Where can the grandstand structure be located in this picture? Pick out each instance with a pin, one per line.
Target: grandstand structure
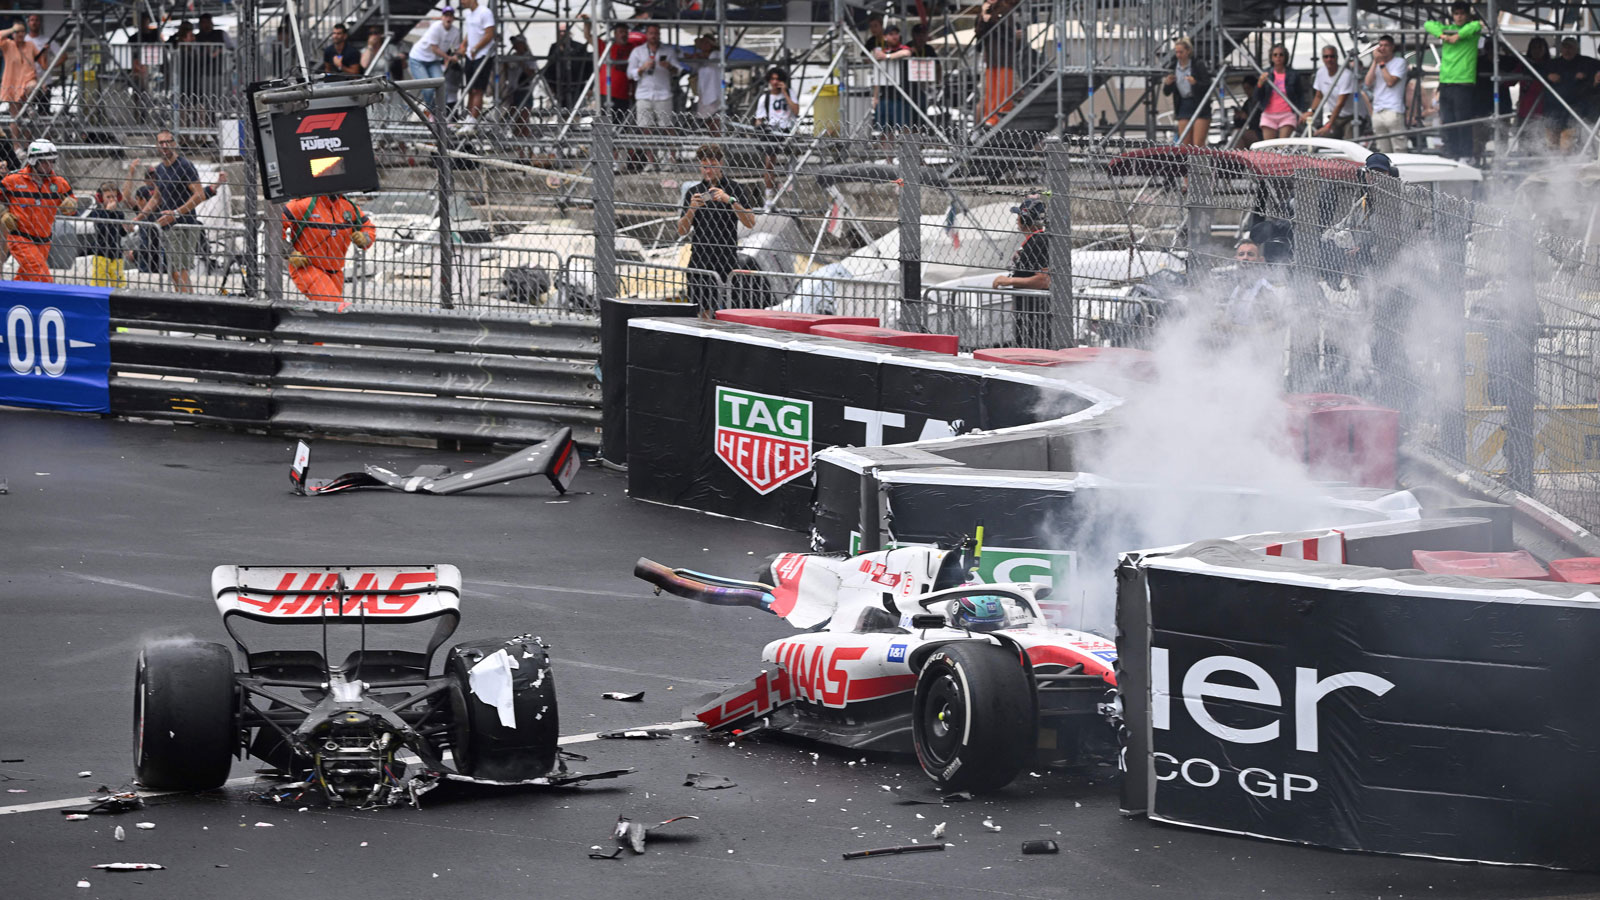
(1090, 67)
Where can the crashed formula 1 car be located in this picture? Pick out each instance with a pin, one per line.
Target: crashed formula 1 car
(902, 651)
(555, 458)
(342, 727)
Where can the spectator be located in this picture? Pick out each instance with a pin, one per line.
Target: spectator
(341, 57)
(1531, 101)
(654, 67)
(319, 231)
(372, 49)
(177, 193)
(875, 32)
(1331, 98)
(146, 49)
(568, 68)
(216, 75)
(707, 62)
(1245, 123)
(1030, 271)
(32, 197)
(890, 111)
(434, 51)
(519, 71)
(1458, 75)
(42, 50)
(478, 46)
(776, 113)
(999, 50)
(1278, 91)
(712, 212)
(1386, 80)
(616, 91)
(918, 90)
(37, 42)
(19, 76)
(105, 243)
(1189, 85)
(1254, 303)
(1572, 78)
(146, 252)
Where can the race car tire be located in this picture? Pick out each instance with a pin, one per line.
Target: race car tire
(481, 746)
(185, 716)
(973, 720)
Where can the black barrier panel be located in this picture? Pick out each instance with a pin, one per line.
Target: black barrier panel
(721, 417)
(1458, 727)
(835, 377)
(1011, 517)
(242, 404)
(224, 357)
(836, 509)
(231, 313)
(614, 318)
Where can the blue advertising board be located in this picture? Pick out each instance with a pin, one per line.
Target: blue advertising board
(55, 346)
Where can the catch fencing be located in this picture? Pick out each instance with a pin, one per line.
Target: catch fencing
(1474, 317)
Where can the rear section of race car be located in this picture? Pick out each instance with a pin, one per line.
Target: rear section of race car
(342, 725)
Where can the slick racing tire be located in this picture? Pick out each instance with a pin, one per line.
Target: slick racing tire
(973, 720)
(185, 716)
(481, 745)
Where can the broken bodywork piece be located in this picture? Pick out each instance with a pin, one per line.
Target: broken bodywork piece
(631, 834)
(555, 458)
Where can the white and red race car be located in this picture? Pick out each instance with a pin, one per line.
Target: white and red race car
(900, 650)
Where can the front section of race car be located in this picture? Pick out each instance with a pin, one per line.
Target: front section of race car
(902, 655)
(343, 726)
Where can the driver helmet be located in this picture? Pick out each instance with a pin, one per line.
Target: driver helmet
(42, 149)
(982, 612)
(1380, 162)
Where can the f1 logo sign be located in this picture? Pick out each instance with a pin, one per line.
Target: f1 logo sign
(320, 122)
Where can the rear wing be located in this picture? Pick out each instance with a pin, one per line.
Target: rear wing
(347, 593)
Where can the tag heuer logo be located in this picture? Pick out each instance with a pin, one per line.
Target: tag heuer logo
(765, 439)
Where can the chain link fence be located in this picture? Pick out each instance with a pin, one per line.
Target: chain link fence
(1475, 319)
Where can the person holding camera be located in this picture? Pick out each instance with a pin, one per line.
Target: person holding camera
(653, 68)
(776, 113)
(712, 212)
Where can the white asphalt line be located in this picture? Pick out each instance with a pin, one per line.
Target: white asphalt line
(128, 585)
(68, 803)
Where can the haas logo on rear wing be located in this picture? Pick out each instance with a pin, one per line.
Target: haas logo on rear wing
(408, 592)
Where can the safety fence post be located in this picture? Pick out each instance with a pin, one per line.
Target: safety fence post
(1058, 224)
(605, 207)
(248, 66)
(441, 137)
(910, 159)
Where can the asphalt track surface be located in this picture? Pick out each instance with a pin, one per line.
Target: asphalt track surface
(108, 536)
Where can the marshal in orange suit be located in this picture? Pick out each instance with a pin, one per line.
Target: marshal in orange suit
(32, 196)
(319, 231)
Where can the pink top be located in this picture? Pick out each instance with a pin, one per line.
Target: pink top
(1276, 103)
(19, 76)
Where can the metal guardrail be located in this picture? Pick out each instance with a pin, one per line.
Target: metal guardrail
(1004, 317)
(816, 294)
(458, 375)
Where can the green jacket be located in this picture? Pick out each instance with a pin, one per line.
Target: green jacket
(1458, 62)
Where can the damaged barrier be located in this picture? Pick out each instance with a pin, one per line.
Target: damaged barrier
(725, 418)
(1362, 708)
(453, 375)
